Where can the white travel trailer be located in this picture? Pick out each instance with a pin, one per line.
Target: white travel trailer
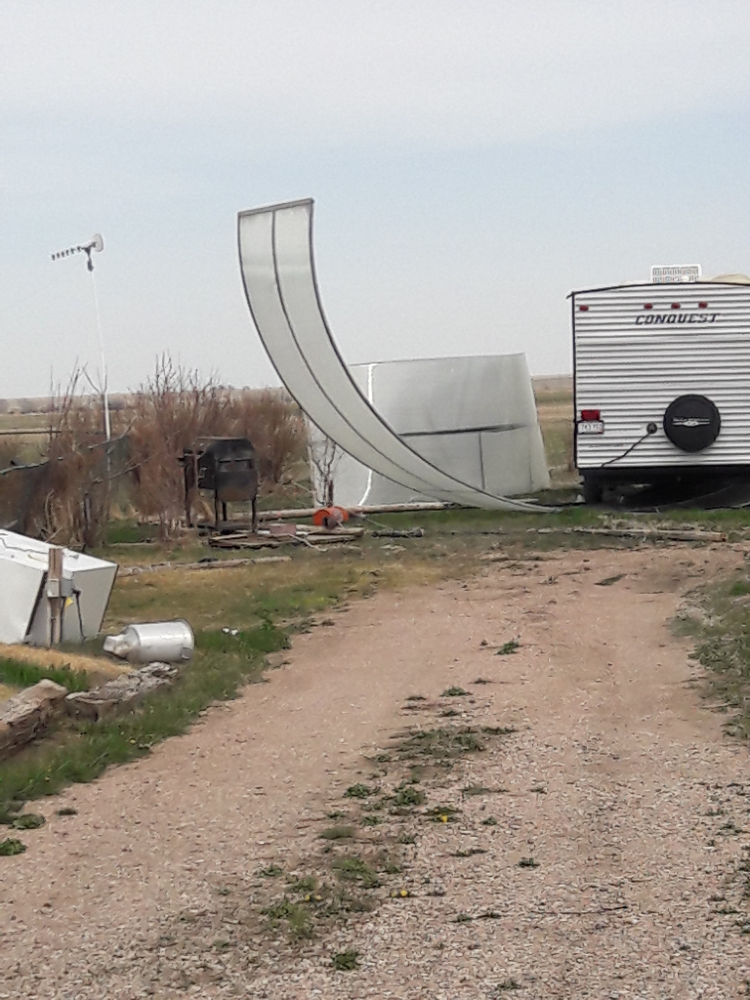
(661, 383)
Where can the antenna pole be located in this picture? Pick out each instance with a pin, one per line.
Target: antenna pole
(105, 395)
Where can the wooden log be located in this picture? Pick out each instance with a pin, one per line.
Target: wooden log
(208, 564)
(390, 508)
(663, 534)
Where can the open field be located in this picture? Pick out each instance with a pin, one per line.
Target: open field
(498, 772)
(28, 432)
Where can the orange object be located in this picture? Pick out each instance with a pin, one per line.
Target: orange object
(330, 517)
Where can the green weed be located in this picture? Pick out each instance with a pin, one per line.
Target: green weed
(16, 673)
(345, 961)
(9, 847)
(28, 821)
(408, 795)
(272, 871)
(355, 869)
(296, 916)
(360, 791)
(512, 646)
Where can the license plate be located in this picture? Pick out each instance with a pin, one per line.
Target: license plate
(591, 427)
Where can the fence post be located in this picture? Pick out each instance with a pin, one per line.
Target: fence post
(54, 595)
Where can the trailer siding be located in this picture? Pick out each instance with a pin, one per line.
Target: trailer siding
(631, 362)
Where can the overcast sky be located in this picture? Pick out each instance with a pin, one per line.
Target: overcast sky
(472, 162)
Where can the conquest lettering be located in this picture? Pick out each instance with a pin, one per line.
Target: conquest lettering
(671, 318)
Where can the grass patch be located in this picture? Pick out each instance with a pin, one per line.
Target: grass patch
(28, 821)
(528, 863)
(307, 884)
(16, 673)
(441, 745)
(719, 625)
(408, 795)
(338, 833)
(442, 814)
(360, 791)
(345, 961)
(10, 846)
(355, 869)
(272, 871)
(296, 917)
(512, 646)
(454, 692)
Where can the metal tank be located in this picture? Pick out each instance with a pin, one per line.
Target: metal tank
(166, 642)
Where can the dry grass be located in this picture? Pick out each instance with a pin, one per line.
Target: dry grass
(95, 667)
(555, 411)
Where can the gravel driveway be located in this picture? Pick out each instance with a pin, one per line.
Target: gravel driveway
(592, 847)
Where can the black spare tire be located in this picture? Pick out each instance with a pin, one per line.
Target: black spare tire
(692, 423)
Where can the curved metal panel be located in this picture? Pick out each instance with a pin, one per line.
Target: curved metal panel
(278, 271)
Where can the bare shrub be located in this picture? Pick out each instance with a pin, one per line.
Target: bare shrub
(16, 482)
(76, 490)
(169, 413)
(177, 407)
(68, 498)
(324, 457)
(59, 490)
(276, 428)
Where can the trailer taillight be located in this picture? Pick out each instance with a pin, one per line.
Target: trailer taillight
(647, 305)
(703, 305)
(583, 309)
(591, 414)
(675, 305)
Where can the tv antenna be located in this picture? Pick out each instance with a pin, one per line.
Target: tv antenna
(95, 244)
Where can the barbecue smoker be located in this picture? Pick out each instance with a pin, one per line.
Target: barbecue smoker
(225, 467)
(662, 384)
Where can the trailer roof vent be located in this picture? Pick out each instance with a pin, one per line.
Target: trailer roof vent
(703, 305)
(675, 305)
(647, 305)
(583, 309)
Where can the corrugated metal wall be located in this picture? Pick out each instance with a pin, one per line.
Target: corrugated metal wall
(632, 361)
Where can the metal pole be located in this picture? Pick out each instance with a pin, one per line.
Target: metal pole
(105, 396)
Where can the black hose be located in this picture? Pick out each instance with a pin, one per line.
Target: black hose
(650, 429)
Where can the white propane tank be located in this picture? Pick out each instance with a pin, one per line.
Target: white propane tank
(167, 642)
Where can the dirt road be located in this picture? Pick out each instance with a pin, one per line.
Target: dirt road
(594, 850)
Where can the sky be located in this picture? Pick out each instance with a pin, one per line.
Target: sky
(471, 163)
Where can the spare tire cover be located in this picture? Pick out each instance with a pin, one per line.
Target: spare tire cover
(692, 423)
